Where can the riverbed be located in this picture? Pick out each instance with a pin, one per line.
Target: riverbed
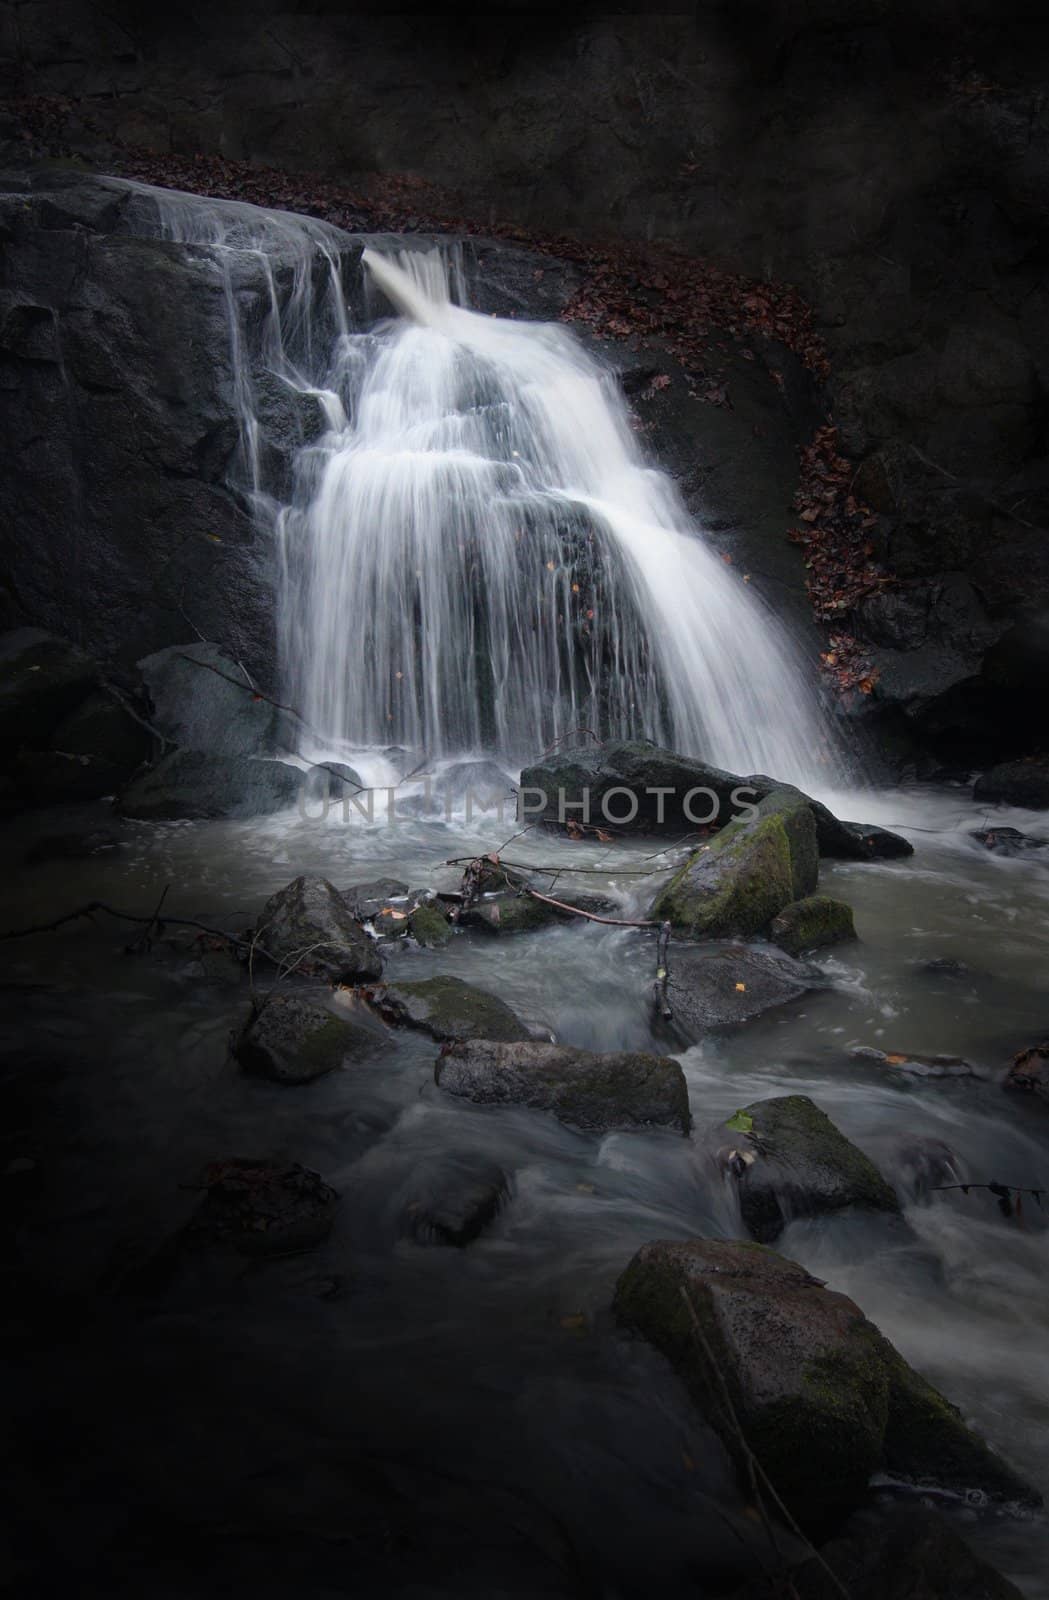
(495, 1373)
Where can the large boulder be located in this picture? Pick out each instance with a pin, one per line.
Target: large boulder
(308, 926)
(897, 1552)
(734, 885)
(42, 680)
(812, 923)
(821, 1397)
(292, 1039)
(448, 1008)
(596, 1093)
(204, 700)
(723, 986)
(1016, 783)
(664, 792)
(190, 784)
(789, 1160)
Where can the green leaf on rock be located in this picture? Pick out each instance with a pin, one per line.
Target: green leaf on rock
(742, 1122)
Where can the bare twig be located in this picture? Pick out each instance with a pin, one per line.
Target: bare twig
(591, 916)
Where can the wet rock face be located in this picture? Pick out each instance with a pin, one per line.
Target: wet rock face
(796, 1163)
(448, 1009)
(42, 680)
(294, 1040)
(310, 925)
(721, 987)
(188, 783)
(822, 1398)
(593, 1092)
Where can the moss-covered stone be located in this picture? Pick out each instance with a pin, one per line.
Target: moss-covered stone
(509, 913)
(812, 923)
(448, 1009)
(596, 1092)
(821, 1397)
(802, 1166)
(795, 812)
(733, 886)
(294, 1040)
(429, 926)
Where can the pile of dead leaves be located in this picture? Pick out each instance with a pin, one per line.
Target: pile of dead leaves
(834, 530)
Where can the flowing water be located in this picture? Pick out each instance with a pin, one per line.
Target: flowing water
(464, 461)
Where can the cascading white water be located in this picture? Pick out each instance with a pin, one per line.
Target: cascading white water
(475, 556)
(483, 561)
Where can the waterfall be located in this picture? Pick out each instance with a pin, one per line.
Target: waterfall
(483, 561)
(475, 555)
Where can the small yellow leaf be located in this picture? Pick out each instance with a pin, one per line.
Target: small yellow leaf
(741, 988)
(574, 1322)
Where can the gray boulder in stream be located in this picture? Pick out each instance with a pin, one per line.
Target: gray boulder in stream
(187, 784)
(789, 1160)
(308, 925)
(204, 700)
(819, 1394)
(448, 1008)
(722, 986)
(597, 1093)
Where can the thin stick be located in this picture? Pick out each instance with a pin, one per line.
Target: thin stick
(591, 916)
(526, 866)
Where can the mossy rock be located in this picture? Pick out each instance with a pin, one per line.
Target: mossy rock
(795, 812)
(821, 1397)
(733, 886)
(594, 1092)
(429, 926)
(509, 913)
(811, 924)
(448, 1009)
(798, 1164)
(294, 1040)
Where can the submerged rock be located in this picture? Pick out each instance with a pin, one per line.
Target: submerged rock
(1006, 841)
(190, 784)
(932, 1066)
(796, 1163)
(822, 1398)
(263, 1208)
(863, 841)
(367, 900)
(736, 884)
(454, 1202)
(448, 1008)
(1016, 783)
(901, 1552)
(596, 1093)
(308, 925)
(1029, 1072)
(294, 1040)
(723, 986)
(811, 924)
(523, 913)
